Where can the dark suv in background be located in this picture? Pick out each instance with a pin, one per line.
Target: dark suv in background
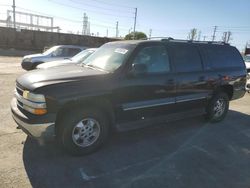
(126, 85)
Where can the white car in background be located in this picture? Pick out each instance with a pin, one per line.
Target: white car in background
(247, 62)
(77, 59)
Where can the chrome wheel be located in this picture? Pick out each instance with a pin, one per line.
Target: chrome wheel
(86, 132)
(219, 107)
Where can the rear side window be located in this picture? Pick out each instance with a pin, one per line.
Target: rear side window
(186, 58)
(221, 57)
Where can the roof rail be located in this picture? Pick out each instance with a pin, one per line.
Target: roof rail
(154, 38)
(167, 39)
(194, 41)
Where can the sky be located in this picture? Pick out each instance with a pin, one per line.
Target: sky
(166, 18)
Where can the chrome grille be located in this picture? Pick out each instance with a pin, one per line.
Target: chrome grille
(18, 95)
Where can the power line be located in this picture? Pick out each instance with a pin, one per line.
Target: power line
(99, 7)
(97, 12)
(5, 5)
(112, 4)
(70, 20)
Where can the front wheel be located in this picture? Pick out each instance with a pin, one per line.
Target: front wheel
(218, 107)
(83, 131)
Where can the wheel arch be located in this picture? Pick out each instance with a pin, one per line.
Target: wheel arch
(101, 103)
(228, 89)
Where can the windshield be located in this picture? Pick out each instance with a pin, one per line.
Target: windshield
(80, 57)
(247, 58)
(49, 51)
(110, 56)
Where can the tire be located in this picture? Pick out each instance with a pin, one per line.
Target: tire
(217, 107)
(83, 131)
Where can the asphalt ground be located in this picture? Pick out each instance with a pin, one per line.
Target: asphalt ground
(188, 153)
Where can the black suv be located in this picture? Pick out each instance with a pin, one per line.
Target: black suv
(126, 85)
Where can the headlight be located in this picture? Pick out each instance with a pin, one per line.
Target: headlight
(27, 60)
(33, 97)
(34, 103)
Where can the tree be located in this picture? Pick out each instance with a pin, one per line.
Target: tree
(138, 35)
(193, 34)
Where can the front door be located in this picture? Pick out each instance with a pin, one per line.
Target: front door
(149, 93)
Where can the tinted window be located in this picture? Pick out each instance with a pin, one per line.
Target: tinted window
(155, 58)
(222, 56)
(186, 58)
(73, 51)
(60, 52)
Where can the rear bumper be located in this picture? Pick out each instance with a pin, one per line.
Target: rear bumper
(42, 127)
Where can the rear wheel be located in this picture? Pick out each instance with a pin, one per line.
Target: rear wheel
(218, 107)
(83, 131)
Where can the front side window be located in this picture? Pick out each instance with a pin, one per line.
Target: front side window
(51, 50)
(155, 58)
(73, 51)
(60, 52)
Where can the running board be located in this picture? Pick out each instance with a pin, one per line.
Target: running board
(158, 120)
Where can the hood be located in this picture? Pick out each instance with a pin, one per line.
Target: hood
(33, 56)
(54, 64)
(39, 78)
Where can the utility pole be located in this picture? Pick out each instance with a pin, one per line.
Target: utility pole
(117, 31)
(199, 36)
(229, 34)
(135, 22)
(204, 38)
(214, 34)
(14, 13)
(224, 37)
(150, 33)
(85, 24)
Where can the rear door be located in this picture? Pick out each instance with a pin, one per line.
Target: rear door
(151, 94)
(191, 85)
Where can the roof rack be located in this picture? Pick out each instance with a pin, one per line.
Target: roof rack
(154, 38)
(167, 39)
(195, 41)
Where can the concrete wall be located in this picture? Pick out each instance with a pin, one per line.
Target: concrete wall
(37, 40)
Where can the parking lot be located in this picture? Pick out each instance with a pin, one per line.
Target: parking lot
(187, 153)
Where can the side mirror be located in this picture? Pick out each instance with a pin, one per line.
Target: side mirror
(138, 69)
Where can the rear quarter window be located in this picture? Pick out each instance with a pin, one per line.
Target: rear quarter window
(217, 57)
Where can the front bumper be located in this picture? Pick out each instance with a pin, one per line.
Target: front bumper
(27, 65)
(42, 127)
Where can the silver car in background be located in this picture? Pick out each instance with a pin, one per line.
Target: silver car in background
(247, 62)
(77, 59)
(30, 62)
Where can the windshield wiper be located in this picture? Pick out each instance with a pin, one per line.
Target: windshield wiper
(94, 67)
